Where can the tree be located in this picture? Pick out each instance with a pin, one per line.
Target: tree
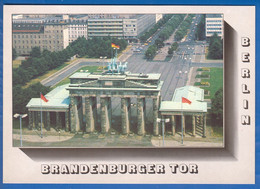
(178, 35)
(151, 51)
(14, 54)
(22, 96)
(159, 43)
(173, 48)
(217, 107)
(36, 52)
(200, 31)
(170, 51)
(215, 50)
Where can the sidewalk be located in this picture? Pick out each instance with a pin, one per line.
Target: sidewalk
(48, 136)
(192, 76)
(178, 144)
(45, 138)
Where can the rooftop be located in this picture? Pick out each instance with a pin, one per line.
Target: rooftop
(57, 98)
(193, 94)
(87, 75)
(30, 28)
(214, 15)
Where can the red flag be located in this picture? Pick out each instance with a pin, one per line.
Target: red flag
(43, 98)
(185, 100)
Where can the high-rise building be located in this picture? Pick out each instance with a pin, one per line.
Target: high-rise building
(123, 26)
(214, 24)
(105, 27)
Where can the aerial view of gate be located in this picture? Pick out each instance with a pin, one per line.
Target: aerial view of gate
(118, 80)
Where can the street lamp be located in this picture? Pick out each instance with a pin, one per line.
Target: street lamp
(21, 116)
(163, 121)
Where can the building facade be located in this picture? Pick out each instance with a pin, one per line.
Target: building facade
(125, 26)
(76, 29)
(85, 105)
(180, 113)
(54, 33)
(105, 28)
(26, 36)
(50, 36)
(214, 24)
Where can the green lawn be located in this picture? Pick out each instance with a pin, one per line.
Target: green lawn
(217, 131)
(216, 81)
(16, 63)
(89, 68)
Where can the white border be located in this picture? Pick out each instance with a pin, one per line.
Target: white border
(235, 166)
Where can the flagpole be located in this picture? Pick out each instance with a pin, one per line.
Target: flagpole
(181, 123)
(41, 112)
(111, 52)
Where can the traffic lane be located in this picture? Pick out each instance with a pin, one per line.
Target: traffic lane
(170, 82)
(68, 72)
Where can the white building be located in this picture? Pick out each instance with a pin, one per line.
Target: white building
(214, 24)
(123, 26)
(76, 29)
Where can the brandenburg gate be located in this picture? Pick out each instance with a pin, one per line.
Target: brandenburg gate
(85, 88)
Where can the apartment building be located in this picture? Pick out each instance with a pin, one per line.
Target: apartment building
(214, 24)
(122, 26)
(77, 29)
(105, 27)
(50, 36)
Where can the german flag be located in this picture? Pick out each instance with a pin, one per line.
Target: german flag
(113, 45)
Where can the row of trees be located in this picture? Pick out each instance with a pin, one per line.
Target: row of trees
(173, 48)
(168, 30)
(41, 62)
(171, 27)
(158, 25)
(215, 50)
(183, 29)
(200, 30)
